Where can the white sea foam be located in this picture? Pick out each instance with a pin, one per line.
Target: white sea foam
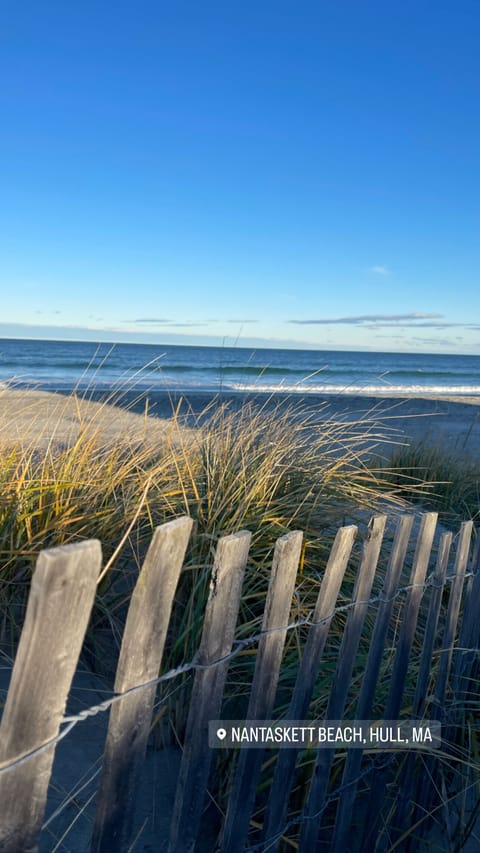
(357, 390)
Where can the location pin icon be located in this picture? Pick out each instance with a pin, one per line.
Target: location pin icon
(221, 734)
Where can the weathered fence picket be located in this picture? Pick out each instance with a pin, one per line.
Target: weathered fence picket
(139, 662)
(446, 654)
(367, 690)
(346, 656)
(421, 690)
(461, 559)
(438, 583)
(470, 628)
(216, 643)
(264, 686)
(400, 664)
(59, 605)
(307, 675)
(60, 601)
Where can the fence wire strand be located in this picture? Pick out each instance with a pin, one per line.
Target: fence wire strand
(69, 722)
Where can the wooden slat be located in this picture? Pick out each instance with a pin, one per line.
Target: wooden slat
(367, 691)
(400, 665)
(307, 675)
(448, 641)
(411, 608)
(461, 559)
(59, 605)
(468, 642)
(423, 681)
(421, 689)
(205, 704)
(437, 711)
(139, 662)
(347, 653)
(264, 686)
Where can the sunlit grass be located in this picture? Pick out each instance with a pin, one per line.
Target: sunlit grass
(450, 482)
(269, 469)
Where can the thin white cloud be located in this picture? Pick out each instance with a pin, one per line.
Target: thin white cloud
(427, 325)
(361, 319)
(380, 269)
(161, 320)
(188, 324)
(443, 342)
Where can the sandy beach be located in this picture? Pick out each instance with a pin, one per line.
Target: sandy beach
(40, 417)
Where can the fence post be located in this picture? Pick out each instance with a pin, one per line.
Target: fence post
(205, 703)
(139, 662)
(59, 605)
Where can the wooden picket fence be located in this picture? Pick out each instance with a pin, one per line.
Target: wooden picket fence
(60, 601)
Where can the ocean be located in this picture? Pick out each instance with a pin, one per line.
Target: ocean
(65, 365)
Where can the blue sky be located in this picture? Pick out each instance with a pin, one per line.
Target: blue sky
(281, 173)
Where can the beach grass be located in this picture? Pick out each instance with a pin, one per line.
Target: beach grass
(269, 469)
(450, 483)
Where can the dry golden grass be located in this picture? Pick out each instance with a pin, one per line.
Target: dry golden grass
(269, 470)
(96, 470)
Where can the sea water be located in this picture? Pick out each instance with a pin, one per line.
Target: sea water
(63, 365)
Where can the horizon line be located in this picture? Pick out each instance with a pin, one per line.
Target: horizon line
(266, 344)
